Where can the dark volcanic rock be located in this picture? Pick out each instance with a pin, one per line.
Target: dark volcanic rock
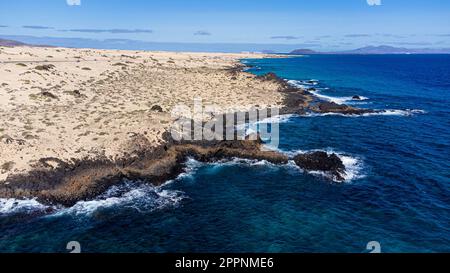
(45, 67)
(236, 69)
(296, 102)
(157, 108)
(71, 182)
(49, 95)
(321, 161)
(272, 77)
(77, 94)
(331, 107)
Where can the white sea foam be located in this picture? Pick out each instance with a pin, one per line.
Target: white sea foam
(16, 206)
(388, 112)
(393, 112)
(353, 165)
(277, 119)
(337, 100)
(270, 120)
(241, 161)
(191, 166)
(252, 128)
(139, 196)
(298, 84)
(303, 84)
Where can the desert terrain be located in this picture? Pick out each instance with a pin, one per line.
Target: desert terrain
(75, 104)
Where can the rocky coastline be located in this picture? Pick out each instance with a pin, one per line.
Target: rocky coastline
(57, 182)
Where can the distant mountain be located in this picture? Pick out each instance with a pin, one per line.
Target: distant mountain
(375, 50)
(378, 50)
(10, 43)
(396, 50)
(4, 42)
(304, 52)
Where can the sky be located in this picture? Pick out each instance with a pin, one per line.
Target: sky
(315, 24)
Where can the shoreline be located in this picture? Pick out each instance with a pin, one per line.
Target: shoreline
(54, 180)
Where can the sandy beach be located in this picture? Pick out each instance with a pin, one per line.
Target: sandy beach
(74, 104)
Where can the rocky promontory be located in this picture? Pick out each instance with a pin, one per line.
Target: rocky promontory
(64, 183)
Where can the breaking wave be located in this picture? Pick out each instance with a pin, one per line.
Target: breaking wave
(139, 196)
(17, 206)
(388, 112)
(134, 195)
(252, 128)
(353, 165)
(316, 92)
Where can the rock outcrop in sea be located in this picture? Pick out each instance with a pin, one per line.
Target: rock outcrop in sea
(331, 107)
(323, 162)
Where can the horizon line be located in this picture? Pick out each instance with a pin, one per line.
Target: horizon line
(134, 44)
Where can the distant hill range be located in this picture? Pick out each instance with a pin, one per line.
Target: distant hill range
(4, 42)
(377, 50)
(10, 43)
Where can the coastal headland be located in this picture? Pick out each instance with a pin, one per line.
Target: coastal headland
(74, 122)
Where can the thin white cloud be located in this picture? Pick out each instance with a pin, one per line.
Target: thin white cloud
(115, 31)
(37, 27)
(73, 2)
(374, 2)
(284, 37)
(202, 33)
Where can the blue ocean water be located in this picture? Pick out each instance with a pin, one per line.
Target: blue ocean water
(397, 191)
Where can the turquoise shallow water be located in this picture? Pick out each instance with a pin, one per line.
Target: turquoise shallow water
(397, 192)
